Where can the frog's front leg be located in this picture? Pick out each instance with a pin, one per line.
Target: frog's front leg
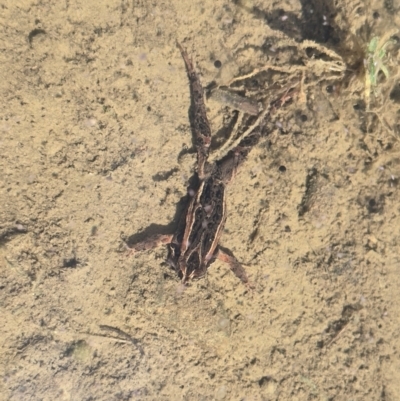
(225, 256)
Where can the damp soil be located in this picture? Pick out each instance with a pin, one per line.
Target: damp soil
(96, 150)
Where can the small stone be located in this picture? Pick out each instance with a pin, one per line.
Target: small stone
(221, 393)
(90, 122)
(223, 323)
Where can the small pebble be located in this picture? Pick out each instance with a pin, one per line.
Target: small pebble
(217, 64)
(31, 178)
(223, 323)
(221, 393)
(90, 122)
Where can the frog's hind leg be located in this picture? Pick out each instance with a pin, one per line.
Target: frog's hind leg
(197, 114)
(151, 242)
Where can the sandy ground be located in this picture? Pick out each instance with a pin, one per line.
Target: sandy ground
(93, 119)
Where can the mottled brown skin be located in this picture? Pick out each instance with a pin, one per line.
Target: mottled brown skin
(194, 246)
